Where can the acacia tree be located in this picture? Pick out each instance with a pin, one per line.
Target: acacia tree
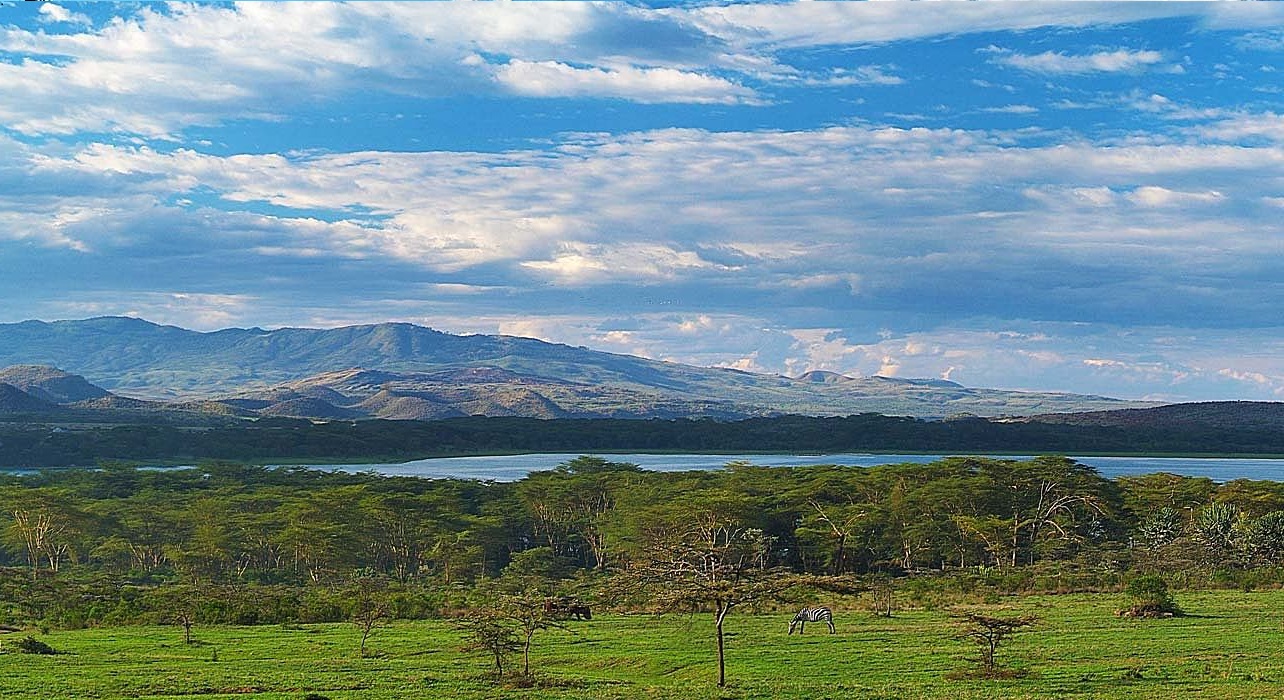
(569, 505)
(529, 614)
(840, 520)
(46, 525)
(1050, 499)
(485, 631)
(370, 607)
(988, 633)
(712, 560)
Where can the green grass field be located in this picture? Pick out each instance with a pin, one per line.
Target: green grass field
(1230, 646)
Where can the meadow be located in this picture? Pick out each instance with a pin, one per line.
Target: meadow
(1227, 646)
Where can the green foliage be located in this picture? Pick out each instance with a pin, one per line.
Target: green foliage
(1150, 597)
(231, 544)
(1160, 528)
(1263, 539)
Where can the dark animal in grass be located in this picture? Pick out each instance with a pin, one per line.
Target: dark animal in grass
(565, 609)
(811, 615)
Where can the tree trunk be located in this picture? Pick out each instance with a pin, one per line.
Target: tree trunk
(721, 613)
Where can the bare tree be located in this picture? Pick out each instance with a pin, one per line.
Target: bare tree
(369, 607)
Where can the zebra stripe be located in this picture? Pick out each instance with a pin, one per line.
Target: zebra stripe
(812, 615)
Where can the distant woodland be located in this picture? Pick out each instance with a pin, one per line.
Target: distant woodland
(229, 543)
(43, 445)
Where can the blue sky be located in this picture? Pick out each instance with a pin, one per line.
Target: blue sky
(1073, 196)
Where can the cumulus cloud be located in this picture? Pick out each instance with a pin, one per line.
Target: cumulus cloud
(808, 219)
(51, 12)
(161, 69)
(579, 263)
(155, 71)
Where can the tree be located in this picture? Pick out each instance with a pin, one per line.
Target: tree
(530, 615)
(485, 631)
(46, 525)
(568, 505)
(840, 521)
(369, 605)
(1263, 539)
(181, 603)
(988, 633)
(1216, 528)
(1161, 527)
(712, 560)
(1046, 500)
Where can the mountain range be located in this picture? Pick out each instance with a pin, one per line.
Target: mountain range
(404, 371)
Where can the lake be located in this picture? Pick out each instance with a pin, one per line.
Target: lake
(514, 467)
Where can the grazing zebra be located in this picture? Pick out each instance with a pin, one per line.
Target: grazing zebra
(812, 615)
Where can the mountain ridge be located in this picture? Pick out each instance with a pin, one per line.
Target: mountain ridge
(436, 373)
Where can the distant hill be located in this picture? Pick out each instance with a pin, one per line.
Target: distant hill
(15, 400)
(1217, 415)
(50, 384)
(398, 370)
(452, 393)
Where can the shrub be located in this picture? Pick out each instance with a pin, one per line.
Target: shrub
(31, 645)
(1150, 598)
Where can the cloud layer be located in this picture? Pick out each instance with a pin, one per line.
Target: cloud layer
(1061, 197)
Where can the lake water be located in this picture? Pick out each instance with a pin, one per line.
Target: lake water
(514, 467)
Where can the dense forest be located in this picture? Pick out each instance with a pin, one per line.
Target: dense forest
(278, 439)
(254, 544)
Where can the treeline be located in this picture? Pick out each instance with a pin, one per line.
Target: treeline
(269, 439)
(126, 534)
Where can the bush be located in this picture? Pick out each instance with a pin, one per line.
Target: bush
(1150, 598)
(31, 645)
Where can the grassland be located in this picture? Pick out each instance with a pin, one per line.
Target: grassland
(1231, 645)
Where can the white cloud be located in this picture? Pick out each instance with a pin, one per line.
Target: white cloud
(578, 263)
(197, 311)
(834, 210)
(1012, 109)
(161, 69)
(1163, 197)
(646, 85)
(155, 70)
(820, 24)
(1268, 126)
(1119, 61)
(51, 12)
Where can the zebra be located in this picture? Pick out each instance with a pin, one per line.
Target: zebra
(812, 615)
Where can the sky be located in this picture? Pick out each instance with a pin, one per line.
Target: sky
(1054, 196)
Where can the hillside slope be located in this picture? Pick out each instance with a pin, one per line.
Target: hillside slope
(141, 359)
